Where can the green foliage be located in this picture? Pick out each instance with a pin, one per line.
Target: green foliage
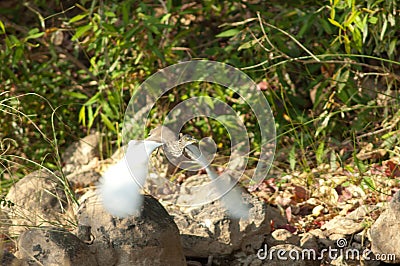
(326, 70)
(364, 26)
(309, 63)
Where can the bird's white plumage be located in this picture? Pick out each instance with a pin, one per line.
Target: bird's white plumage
(119, 187)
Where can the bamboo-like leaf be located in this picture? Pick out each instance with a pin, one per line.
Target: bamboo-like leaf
(369, 182)
(3, 29)
(82, 116)
(228, 33)
(334, 22)
(107, 122)
(93, 99)
(320, 153)
(80, 31)
(78, 17)
(76, 95)
(384, 27)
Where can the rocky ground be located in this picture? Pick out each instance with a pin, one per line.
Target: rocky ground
(44, 226)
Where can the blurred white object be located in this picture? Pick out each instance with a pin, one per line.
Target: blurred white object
(231, 194)
(120, 185)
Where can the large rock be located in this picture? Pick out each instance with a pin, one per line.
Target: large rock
(351, 224)
(149, 239)
(384, 232)
(39, 199)
(208, 230)
(53, 247)
(82, 155)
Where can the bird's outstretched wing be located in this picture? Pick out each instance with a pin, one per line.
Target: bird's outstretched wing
(119, 187)
(226, 187)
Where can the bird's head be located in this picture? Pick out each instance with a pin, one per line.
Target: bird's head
(176, 148)
(186, 140)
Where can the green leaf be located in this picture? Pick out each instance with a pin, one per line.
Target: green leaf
(347, 46)
(247, 45)
(13, 41)
(82, 116)
(360, 22)
(159, 54)
(80, 31)
(3, 29)
(228, 33)
(373, 20)
(308, 22)
(19, 52)
(360, 165)
(388, 135)
(78, 17)
(110, 14)
(33, 31)
(357, 39)
(125, 12)
(138, 58)
(77, 95)
(392, 46)
(107, 122)
(369, 182)
(33, 34)
(334, 22)
(364, 29)
(333, 13)
(169, 4)
(91, 117)
(351, 19)
(107, 110)
(93, 99)
(349, 168)
(342, 79)
(320, 153)
(165, 18)
(346, 184)
(326, 26)
(384, 27)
